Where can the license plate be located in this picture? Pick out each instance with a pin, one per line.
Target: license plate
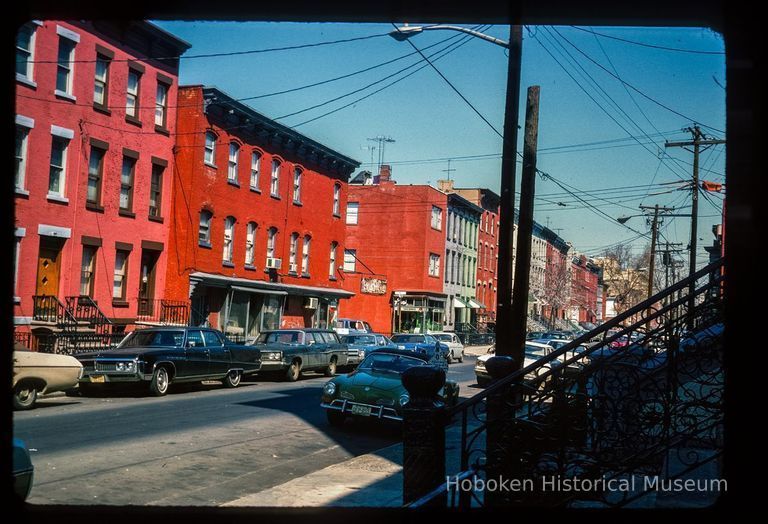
(98, 378)
(361, 410)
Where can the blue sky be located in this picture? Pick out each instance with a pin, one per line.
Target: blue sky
(588, 117)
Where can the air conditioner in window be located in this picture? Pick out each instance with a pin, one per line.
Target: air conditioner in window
(293, 268)
(274, 263)
(311, 303)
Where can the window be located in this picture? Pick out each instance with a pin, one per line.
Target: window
(19, 235)
(305, 255)
(274, 186)
(161, 105)
(255, 168)
(434, 265)
(293, 268)
(332, 261)
(437, 218)
(126, 183)
(337, 200)
(297, 184)
(101, 81)
(132, 94)
(156, 190)
(234, 151)
(229, 235)
(121, 274)
(250, 242)
(271, 242)
(95, 175)
(25, 49)
(350, 260)
(353, 209)
(57, 175)
(210, 148)
(448, 265)
(22, 138)
(88, 270)
(204, 231)
(64, 67)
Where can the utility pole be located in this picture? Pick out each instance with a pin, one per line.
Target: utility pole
(699, 140)
(652, 262)
(449, 169)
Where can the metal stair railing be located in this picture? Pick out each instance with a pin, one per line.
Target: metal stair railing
(85, 309)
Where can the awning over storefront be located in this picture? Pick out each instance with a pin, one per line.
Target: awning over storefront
(474, 304)
(260, 286)
(457, 302)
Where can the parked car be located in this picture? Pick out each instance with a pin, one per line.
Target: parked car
(533, 352)
(36, 373)
(293, 351)
(375, 388)
(160, 356)
(346, 326)
(360, 344)
(23, 470)
(455, 347)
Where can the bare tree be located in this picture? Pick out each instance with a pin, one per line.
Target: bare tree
(556, 292)
(626, 275)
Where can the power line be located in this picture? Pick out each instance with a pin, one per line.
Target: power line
(676, 49)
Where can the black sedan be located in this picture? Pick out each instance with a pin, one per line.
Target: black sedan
(159, 356)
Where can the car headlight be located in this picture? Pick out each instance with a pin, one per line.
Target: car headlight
(124, 366)
(272, 355)
(404, 398)
(362, 354)
(329, 388)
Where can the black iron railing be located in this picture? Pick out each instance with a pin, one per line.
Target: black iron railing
(84, 309)
(48, 308)
(597, 410)
(162, 311)
(68, 342)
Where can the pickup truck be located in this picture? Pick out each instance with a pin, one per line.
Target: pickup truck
(289, 352)
(160, 356)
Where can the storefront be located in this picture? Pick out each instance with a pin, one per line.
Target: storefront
(417, 313)
(242, 308)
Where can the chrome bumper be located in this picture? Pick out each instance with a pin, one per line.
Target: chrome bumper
(378, 411)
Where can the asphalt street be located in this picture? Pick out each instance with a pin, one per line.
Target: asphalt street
(202, 444)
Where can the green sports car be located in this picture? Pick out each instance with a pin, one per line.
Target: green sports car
(375, 389)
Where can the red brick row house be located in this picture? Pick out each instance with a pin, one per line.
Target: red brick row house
(95, 123)
(257, 223)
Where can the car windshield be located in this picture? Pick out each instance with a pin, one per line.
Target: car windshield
(359, 339)
(444, 338)
(408, 339)
(390, 363)
(151, 337)
(535, 351)
(281, 337)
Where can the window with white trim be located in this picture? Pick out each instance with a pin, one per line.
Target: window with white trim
(88, 271)
(101, 81)
(353, 209)
(250, 243)
(210, 148)
(255, 169)
(229, 236)
(332, 261)
(132, 94)
(337, 199)
(121, 274)
(161, 105)
(274, 185)
(95, 175)
(156, 190)
(234, 151)
(297, 184)
(126, 183)
(204, 229)
(65, 66)
(434, 265)
(305, 255)
(58, 172)
(25, 51)
(437, 218)
(271, 242)
(293, 266)
(22, 139)
(350, 260)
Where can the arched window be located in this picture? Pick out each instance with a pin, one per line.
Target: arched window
(271, 242)
(274, 185)
(250, 242)
(204, 232)
(297, 184)
(234, 152)
(332, 261)
(255, 169)
(293, 265)
(229, 235)
(210, 148)
(337, 200)
(305, 255)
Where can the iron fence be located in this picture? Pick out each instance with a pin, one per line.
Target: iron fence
(165, 312)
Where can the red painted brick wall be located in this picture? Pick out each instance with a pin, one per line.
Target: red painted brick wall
(197, 186)
(40, 104)
(393, 238)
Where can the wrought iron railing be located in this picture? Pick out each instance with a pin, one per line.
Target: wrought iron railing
(594, 410)
(165, 312)
(48, 308)
(84, 309)
(68, 342)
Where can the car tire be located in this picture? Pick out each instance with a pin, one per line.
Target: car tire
(293, 372)
(330, 370)
(461, 356)
(449, 357)
(335, 418)
(160, 382)
(24, 397)
(232, 380)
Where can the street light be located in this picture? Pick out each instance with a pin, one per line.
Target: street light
(403, 33)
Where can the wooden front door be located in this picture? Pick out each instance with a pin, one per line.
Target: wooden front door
(48, 267)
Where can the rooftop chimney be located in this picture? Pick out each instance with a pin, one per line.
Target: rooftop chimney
(385, 173)
(446, 186)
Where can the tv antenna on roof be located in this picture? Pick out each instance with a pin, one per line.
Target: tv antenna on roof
(382, 140)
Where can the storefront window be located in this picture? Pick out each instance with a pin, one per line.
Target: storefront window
(270, 313)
